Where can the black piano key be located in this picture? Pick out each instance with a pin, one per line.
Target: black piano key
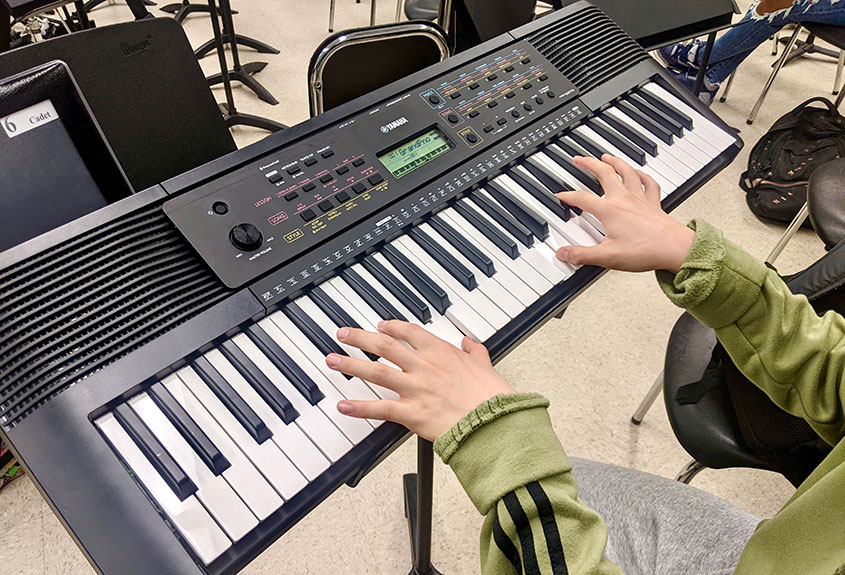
(399, 290)
(666, 108)
(265, 388)
(287, 366)
(193, 433)
(621, 142)
(586, 178)
(653, 127)
(500, 240)
(504, 219)
(435, 295)
(557, 207)
(154, 451)
(371, 295)
(336, 313)
(573, 149)
(588, 144)
(656, 115)
(538, 227)
(321, 340)
(233, 402)
(478, 258)
(455, 268)
(639, 138)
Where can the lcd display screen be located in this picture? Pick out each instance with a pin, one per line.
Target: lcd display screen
(415, 152)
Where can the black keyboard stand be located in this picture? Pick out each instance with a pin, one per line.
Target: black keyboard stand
(230, 113)
(419, 490)
(185, 9)
(91, 4)
(241, 73)
(705, 61)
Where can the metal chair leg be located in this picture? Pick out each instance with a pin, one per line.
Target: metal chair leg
(839, 97)
(778, 66)
(796, 223)
(689, 471)
(399, 5)
(775, 40)
(331, 15)
(837, 83)
(373, 13)
(724, 95)
(648, 400)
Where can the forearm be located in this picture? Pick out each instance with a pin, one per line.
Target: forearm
(774, 337)
(516, 473)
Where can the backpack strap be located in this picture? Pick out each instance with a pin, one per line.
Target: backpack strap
(712, 378)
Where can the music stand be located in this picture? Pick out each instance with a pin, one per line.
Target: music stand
(91, 4)
(241, 73)
(183, 10)
(230, 114)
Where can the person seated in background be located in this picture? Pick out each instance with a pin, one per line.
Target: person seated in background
(548, 514)
(763, 19)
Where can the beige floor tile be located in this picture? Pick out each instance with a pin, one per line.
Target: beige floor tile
(20, 502)
(22, 548)
(62, 556)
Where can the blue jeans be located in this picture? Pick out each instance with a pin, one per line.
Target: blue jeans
(737, 43)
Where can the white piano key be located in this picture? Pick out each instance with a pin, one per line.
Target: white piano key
(439, 326)
(267, 457)
(466, 316)
(511, 303)
(189, 516)
(539, 256)
(214, 492)
(570, 230)
(306, 456)
(334, 385)
(312, 419)
(242, 475)
(518, 276)
(721, 139)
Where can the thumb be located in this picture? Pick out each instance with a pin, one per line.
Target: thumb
(600, 255)
(476, 349)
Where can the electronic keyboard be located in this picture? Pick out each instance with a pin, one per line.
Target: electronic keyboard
(162, 360)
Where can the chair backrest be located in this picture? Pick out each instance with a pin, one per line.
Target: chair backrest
(146, 91)
(352, 63)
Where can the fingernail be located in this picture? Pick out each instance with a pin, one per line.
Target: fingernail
(345, 407)
(342, 333)
(563, 254)
(381, 324)
(333, 360)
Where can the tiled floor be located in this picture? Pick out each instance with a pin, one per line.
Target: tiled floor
(594, 365)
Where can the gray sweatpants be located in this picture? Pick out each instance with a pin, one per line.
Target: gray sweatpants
(657, 526)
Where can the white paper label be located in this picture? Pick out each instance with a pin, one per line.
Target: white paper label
(28, 119)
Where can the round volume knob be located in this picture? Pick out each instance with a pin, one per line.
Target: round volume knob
(246, 237)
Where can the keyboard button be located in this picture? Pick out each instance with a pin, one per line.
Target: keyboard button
(375, 179)
(543, 77)
(453, 118)
(538, 100)
(492, 104)
(515, 113)
(474, 86)
(492, 77)
(310, 161)
(358, 187)
(326, 178)
(308, 215)
(527, 86)
(358, 162)
(473, 114)
(509, 69)
(325, 206)
(342, 170)
(488, 128)
(275, 177)
(309, 186)
(509, 95)
(293, 170)
(291, 196)
(455, 95)
(525, 60)
(342, 197)
(327, 153)
(502, 121)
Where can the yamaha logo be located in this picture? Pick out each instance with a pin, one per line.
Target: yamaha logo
(394, 124)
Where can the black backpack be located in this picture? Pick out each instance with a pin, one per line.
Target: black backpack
(780, 164)
(786, 443)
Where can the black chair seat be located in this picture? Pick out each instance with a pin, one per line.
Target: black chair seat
(708, 430)
(829, 33)
(422, 9)
(825, 194)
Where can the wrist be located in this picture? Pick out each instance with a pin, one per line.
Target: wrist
(679, 239)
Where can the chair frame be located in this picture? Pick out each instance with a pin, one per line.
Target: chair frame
(363, 36)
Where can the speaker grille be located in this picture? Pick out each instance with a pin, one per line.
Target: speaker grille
(588, 48)
(73, 309)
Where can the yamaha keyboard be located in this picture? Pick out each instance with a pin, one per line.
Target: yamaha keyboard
(162, 373)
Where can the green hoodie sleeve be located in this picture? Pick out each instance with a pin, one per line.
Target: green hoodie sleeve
(773, 336)
(511, 464)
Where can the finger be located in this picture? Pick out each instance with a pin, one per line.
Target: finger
(651, 187)
(605, 173)
(380, 344)
(600, 255)
(583, 199)
(372, 371)
(384, 409)
(476, 349)
(412, 333)
(629, 176)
